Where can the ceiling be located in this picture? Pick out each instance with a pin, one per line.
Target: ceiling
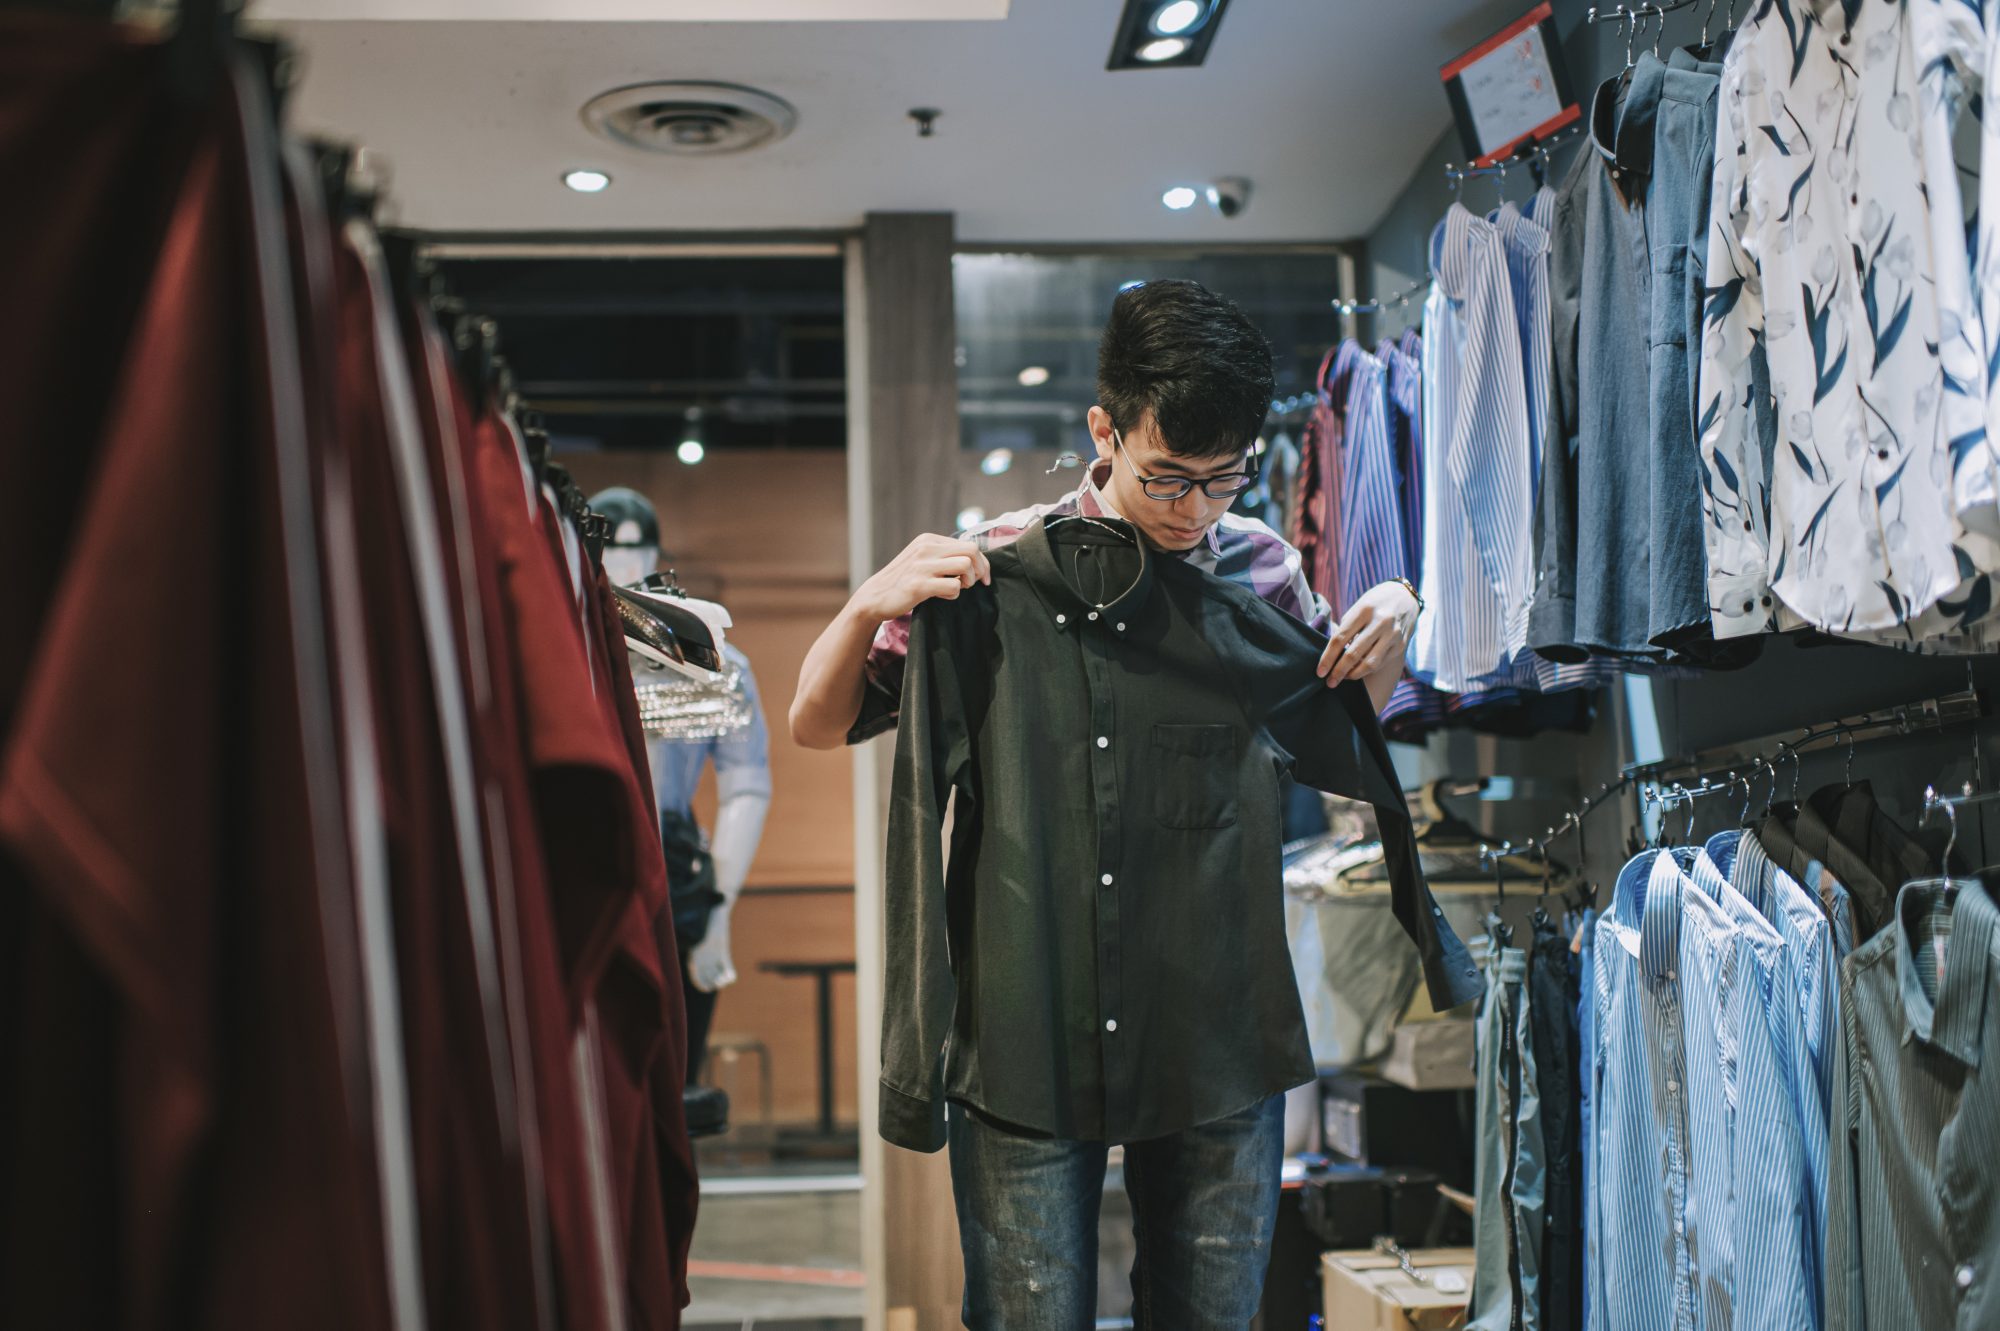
(1325, 105)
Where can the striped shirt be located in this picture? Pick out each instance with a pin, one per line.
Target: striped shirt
(1696, 1155)
(1913, 1224)
(1239, 549)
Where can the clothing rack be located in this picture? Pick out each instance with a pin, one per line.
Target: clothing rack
(1928, 714)
(1395, 300)
(1534, 155)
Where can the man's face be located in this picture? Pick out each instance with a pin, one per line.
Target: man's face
(1179, 524)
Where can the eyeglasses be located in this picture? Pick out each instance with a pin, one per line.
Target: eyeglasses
(1166, 489)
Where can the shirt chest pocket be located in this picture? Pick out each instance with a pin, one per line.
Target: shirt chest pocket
(1194, 776)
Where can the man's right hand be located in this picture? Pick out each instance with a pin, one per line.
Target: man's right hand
(929, 567)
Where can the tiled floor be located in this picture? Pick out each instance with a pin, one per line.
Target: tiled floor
(791, 1260)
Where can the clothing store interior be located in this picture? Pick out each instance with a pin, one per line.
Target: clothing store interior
(580, 574)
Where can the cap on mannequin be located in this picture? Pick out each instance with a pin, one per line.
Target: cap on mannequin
(633, 552)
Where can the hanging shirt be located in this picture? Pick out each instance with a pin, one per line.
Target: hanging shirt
(1109, 727)
(1821, 251)
(1239, 549)
(1914, 1223)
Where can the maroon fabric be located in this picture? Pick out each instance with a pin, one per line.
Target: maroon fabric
(472, 1192)
(666, 1154)
(192, 1158)
(544, 992)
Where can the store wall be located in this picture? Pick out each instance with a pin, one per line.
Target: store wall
(765, 532)
(1788, 689)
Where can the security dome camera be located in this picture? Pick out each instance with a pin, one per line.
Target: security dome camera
(1229, 197)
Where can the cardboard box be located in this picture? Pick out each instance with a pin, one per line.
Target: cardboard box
(1435, 1055)
(1367, 1292)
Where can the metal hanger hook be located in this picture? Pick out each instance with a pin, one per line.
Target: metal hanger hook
(1932, 800)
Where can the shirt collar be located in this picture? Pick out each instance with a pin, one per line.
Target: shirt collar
(1065, 603)
(1956, 1023)
(1093, 502)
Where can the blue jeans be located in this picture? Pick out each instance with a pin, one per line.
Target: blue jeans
(1204, 1206)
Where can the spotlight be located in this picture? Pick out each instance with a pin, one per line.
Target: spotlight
(692, 449)
(1180, 198)
(1178, 16)
(1034, 376)
(586, 182)
(997, 462)
(968, 518)
(1165, 34)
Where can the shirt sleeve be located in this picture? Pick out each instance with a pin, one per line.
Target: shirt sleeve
(1735, 520)
(933, 752)
(1330, 740)
(743, 760)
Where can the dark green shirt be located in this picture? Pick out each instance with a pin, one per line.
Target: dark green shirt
(1102, 956)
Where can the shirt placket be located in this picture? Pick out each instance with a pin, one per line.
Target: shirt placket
(1096, 650)
(1674, 1059)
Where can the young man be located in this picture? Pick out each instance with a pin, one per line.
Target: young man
(1184, 384)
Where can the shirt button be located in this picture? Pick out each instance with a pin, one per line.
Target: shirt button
(1062, 619)
(1671, 975)
(1111, 1026)
(1106, 880)
(1121, 628)
(1093, 616)
(1103, 743)
(1964, 1277)
(1673, 1085)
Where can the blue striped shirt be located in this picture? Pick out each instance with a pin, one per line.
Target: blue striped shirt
(1696, 1152)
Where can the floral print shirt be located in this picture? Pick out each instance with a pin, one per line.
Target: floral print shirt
(1822, 260)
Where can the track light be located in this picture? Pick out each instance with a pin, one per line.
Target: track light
(587, 182)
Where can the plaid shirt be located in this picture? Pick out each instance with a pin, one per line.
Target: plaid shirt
(1242, 550)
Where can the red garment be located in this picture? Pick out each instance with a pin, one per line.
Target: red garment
(184, 1143)
(472, 1190)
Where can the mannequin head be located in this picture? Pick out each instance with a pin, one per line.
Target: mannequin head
(633, 552)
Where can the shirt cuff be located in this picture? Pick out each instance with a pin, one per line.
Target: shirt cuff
(1743, 607)
(911, 1123)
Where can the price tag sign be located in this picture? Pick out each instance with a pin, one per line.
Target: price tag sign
(1511, 88)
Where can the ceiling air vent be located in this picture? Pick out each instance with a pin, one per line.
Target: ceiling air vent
(690, 119)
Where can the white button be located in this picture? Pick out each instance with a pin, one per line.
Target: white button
(1121, 628)
(1093, 616)
(1110, 1025)
(1106, 880)
(1062, 619)
(1964, 1277)
(1671, 975)
(1673, 1085)
(1103, 743)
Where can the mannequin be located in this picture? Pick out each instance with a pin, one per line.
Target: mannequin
(707, 873)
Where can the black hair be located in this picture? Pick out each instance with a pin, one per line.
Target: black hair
(1193, 359)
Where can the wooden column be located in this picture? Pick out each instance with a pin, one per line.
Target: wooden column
(902, 341)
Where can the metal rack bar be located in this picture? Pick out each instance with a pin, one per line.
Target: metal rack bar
(1913, 718)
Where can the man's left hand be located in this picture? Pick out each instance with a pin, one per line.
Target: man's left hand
(709, 967)
(1374, 632)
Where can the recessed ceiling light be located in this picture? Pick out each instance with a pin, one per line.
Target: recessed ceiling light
(691, 451)
(1179, 198)
(997, 462)
(586, 182)
(968, 518)
(1165, 34)
(1034, 376)
(1178, 16)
